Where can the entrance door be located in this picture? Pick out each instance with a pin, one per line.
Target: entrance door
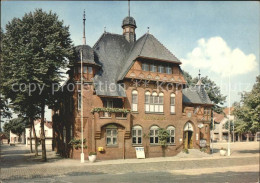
(188, 143)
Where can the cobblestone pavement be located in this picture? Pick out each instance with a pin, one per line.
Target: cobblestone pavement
(18, 165)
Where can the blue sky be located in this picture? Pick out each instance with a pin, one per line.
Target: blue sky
(211, 36)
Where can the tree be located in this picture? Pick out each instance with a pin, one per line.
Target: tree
(36, 47)
(247, 113)
(211, 88)
(163, 135)
(16, 126)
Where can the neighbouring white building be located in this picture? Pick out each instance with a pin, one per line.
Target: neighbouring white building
(220, 133)
(48, 133)
(15, 139)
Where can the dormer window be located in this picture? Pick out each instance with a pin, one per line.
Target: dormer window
(145, 67)
(161, 69)
(168, 70)
(153, 68)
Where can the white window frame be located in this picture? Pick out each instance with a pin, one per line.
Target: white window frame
(172, 103)
(137, 133)
(111, 136)
(161, 101)
(135, 102)
(168, 70)
(145, 66)
(147, 101)
(153, 68)
(171, 131)
(154, 134)
(161, 69)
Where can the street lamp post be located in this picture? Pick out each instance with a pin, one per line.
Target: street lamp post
(228, 153)
(81, 107)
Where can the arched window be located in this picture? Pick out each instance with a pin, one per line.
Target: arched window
(134, 100)
(154, 139)
(172, 103)
(147, 101)
(137, 135)
(171, 131)
(154, 102)
(161, 102)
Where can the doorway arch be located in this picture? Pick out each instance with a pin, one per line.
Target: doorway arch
(188, 132)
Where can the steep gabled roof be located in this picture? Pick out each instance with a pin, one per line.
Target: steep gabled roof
(111, 50)
(148, 47)
(195, 95)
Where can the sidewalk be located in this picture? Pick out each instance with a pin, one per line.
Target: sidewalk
(29, 167)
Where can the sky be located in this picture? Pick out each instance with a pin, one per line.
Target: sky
(221, 39)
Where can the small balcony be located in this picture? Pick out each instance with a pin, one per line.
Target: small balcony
(104, 116)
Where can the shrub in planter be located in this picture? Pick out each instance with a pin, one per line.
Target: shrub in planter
(223, 151)
(92, 156)
(185, 151)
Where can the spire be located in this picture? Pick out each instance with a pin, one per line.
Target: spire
(84, 37)
(199, 81)
(128, 8)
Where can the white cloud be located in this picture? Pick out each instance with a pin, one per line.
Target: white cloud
(215, 55)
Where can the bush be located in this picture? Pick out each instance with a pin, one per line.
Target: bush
(92, 153)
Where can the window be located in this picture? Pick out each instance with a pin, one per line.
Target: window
(64, 134)
(171, 131)
(161, 69)
(79, 99)
(134, 100)
(168, 70)
(154, 139)
(206, 112)
(71, 131)
(154, 102)
(137, 135)
(108, 103)
(172, 103)
(46, 132)
(161, 102)
(79, 69)
(111, 136)
(153, 68)
(145, 67)
(147, 101)
(85, 69)
(90, 71)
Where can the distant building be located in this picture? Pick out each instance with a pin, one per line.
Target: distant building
(47, 129)
(3, 139)
(16, 139)
(220, 133)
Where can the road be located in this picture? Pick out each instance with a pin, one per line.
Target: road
(17, 165)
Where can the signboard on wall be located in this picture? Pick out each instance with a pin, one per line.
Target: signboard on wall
(140, 152)
(203, 143)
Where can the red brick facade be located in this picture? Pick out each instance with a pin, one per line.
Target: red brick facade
(67, 121)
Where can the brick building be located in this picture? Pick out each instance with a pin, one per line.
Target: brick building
(131, 89)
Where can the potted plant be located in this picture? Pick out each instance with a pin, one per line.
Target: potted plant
(223, 151)
(92, 156)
